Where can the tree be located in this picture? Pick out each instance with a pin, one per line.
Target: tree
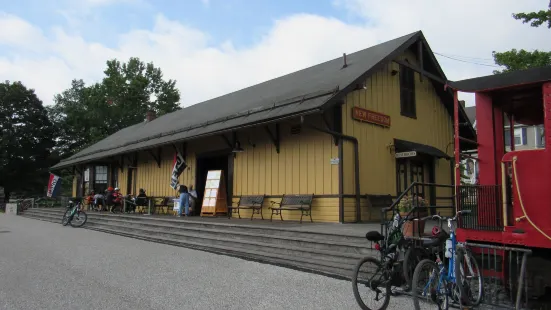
(536, 18)
(26, 142)
(87, 114)
(517, 60)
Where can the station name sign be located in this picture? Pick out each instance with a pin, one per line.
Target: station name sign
(406, 154)
(368, 116)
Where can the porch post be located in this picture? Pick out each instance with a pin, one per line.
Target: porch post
(547, 114)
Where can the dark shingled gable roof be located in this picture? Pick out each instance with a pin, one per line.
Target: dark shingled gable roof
(303, 92)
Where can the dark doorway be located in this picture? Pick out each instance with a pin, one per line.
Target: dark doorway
(204, 164)
(418, 169)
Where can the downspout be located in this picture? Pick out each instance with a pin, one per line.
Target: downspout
(356, 169)
(456, 150)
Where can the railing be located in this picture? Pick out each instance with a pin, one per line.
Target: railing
(506, 282)
(485, 203)
(416, 189)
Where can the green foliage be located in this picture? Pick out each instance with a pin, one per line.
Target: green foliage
(26, 142)
(518, 60)
(407, 203)
(86, 114)
(536, 19)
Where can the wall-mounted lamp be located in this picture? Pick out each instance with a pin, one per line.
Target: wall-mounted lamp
(237, 148)
(391, 148)
(250, 143)
(394, 72)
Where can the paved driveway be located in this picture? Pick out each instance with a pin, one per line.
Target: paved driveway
(48, 266)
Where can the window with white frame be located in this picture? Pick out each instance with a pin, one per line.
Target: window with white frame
(540, 135)
(100, 178)
(519, 136)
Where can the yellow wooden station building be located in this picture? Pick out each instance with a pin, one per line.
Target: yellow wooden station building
(362, 125)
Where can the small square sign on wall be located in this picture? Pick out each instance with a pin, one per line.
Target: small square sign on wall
(334, 161)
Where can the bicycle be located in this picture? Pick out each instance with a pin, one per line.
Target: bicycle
(390, 269)
(72, 212)
(443, 281)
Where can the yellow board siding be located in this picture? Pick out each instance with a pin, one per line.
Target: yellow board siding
(122, 179)
(156, 180)
(75, 185)
(303, 165)
(433, 126)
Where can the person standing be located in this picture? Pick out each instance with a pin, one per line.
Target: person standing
(192, 198)
(184, 200)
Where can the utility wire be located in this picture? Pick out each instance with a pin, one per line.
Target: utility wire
(471, 62)
(465, 57)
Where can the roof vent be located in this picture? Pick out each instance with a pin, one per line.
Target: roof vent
(150, 115)
(296, 129)
(344, 58)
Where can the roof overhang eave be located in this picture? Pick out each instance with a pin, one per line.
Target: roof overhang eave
(62, 165)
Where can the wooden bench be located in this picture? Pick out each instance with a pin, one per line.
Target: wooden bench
(160, 202)
(253, 203)
(379, 201)
(302, 203)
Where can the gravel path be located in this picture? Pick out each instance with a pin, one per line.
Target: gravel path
(48, 266)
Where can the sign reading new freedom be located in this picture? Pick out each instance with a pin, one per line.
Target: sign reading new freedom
(370, 117)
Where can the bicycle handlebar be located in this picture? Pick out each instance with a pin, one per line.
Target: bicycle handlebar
(438, 217)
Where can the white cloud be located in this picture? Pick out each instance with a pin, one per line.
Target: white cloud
(204, 69)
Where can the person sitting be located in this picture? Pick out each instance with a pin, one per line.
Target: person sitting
(99, 202)
(141, 200)
(117, 200)
(90, 200)
(110, 199)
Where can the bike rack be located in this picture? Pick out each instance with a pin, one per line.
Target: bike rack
(498, 265)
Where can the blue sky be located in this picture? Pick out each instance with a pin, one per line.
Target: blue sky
(237, 43)
(243, 21)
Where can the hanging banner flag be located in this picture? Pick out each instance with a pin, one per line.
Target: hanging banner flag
(53, 185)
(177, 168)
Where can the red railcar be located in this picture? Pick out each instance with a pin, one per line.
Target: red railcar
(512, 202)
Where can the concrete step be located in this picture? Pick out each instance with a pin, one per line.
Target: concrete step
(254, 229)
(335, 270)
(316, 263)
(221, 232)
(285, 249)
(329, 254)
(180, 226)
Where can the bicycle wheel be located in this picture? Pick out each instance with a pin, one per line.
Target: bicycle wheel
(468, 277)
(375, 280)
(79, 219)
(429, 286)
(65, 219)
(413, 256)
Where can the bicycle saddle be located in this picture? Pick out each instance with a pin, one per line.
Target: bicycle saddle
(436, 240)
(374, 236)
